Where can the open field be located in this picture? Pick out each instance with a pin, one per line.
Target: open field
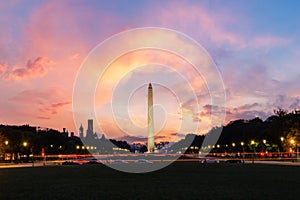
(181, 180)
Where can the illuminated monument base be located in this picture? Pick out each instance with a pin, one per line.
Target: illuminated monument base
(150, 120)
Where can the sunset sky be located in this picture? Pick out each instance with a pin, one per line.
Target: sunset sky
(255, 45)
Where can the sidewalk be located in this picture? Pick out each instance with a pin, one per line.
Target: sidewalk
(35, 164)
(275, 162)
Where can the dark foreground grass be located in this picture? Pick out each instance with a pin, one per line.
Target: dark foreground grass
(177, 181)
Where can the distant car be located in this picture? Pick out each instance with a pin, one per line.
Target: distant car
(93, 162)
(233, 161)
(70, 163)
(143, 161)
(118, 162)
(210, 160)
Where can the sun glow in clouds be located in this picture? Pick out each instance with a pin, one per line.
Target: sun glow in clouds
(123, 76)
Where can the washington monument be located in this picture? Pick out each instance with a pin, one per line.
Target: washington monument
(150, 120)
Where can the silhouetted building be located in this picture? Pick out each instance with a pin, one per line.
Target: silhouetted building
(65, 132)
(81, 131)
(90, 129)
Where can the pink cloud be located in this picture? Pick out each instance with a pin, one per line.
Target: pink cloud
(268, 42)
(32, 69)
(43, 118)
(196, 18)
(41, 100)
(54, 108)
(39, 95)
(76, 28)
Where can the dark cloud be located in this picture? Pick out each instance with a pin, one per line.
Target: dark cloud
(250, 114)
(248, 106)
(178, 135)
(285, 102)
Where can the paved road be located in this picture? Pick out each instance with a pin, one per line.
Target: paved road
(55, 163)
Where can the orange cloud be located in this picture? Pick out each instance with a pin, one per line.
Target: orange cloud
(74, 56)
(3, 69)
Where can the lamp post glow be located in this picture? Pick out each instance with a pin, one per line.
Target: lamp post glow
(233, 145)
(292, 141)
(243, 155)
(281, 139)
(6, 142)
(252, 143)
(264, 147)
(25, 144)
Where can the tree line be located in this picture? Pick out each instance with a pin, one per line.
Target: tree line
(279, 132)
(27, 140)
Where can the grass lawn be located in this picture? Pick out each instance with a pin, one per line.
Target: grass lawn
(178, 181)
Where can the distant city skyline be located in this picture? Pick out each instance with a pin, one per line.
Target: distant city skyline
(256, 46)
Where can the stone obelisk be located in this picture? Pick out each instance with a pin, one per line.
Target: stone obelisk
(150, 120)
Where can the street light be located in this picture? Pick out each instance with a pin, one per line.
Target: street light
(281, 138)
(252, 143)
(25, 144)
(6, 142)
(264, 141)
(242, 144)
